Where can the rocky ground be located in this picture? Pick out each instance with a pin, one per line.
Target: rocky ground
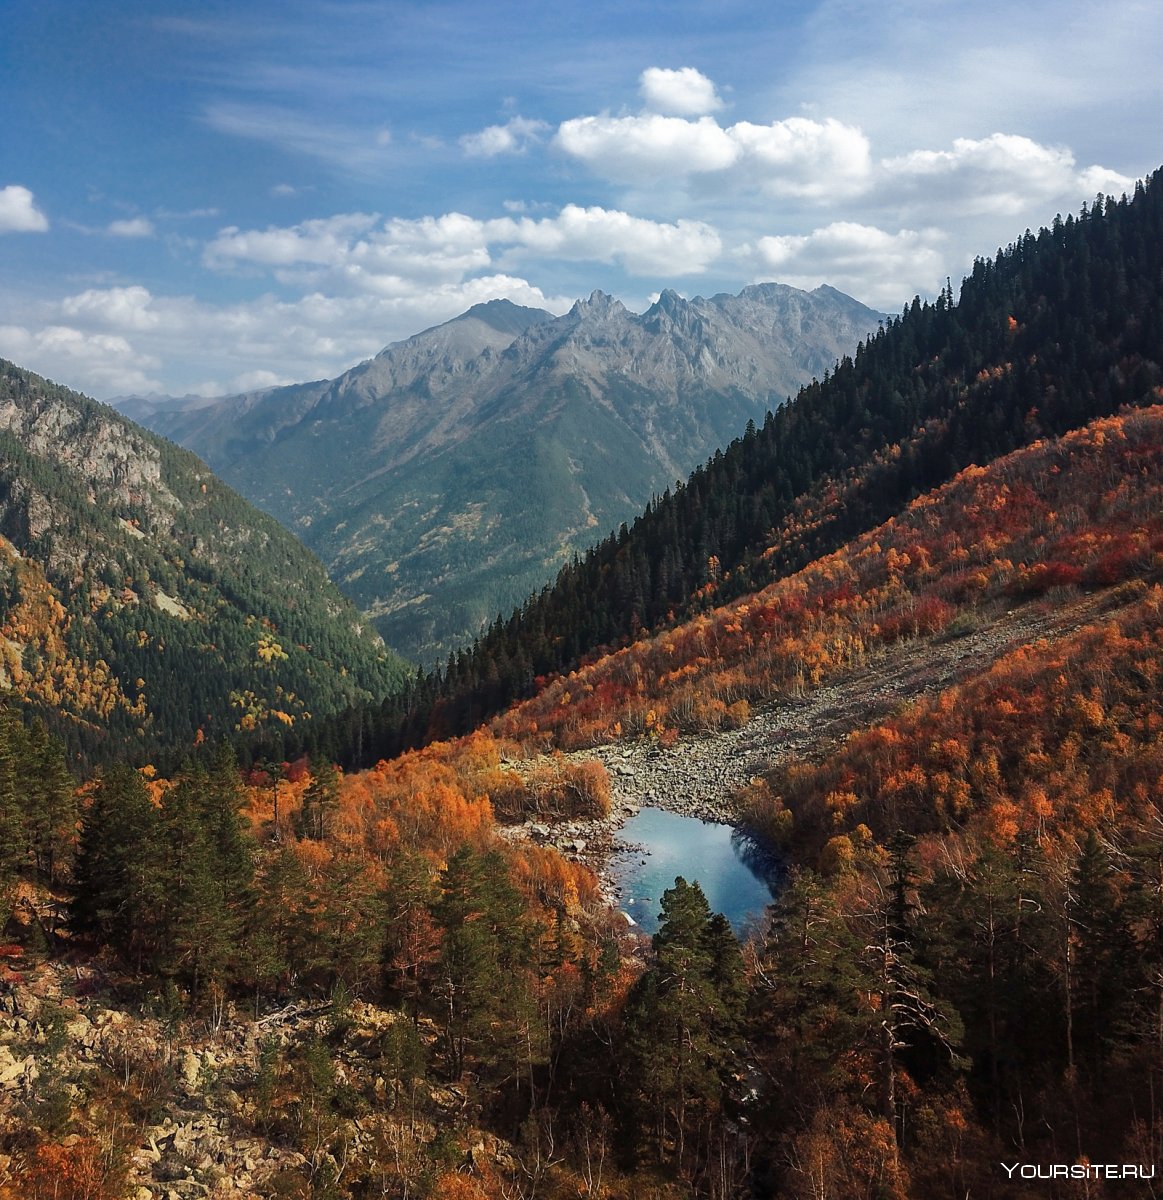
(182, 1103)
(702, 775)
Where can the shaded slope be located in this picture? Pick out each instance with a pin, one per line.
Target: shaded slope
(1085, 510)
(144, 603)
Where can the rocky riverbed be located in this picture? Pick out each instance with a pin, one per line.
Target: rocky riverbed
(698, 777)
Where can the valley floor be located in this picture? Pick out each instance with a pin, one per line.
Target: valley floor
(704, 775)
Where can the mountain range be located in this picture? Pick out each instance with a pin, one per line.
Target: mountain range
(458, 470)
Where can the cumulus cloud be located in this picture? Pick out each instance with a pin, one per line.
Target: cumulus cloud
(829, 161)
(356, 253)
(1000, 174)
(135, 227)
(795, 157)
(595, 234)
(316, 241)
(682, 93)
(101, 363)
(127, 309)
(514, 137)
(801, 157)
(646, 148)
(18, 211)
(877, 267)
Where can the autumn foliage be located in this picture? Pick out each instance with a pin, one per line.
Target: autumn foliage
(76, 1168)
(1081, 511)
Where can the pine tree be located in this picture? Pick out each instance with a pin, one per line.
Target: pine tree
(467, 988)
(681, 1019)
(121, 869)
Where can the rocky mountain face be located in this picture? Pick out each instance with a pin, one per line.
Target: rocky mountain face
(448, 477)
(142, 601)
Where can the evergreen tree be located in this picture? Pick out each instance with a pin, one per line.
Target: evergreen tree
(681, 1021)
(467, 990)
(13, 839)
(121, 870)
(51, 802)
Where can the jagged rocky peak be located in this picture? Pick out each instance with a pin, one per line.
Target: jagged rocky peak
(669, 301)
(671, 313)
(600, 305)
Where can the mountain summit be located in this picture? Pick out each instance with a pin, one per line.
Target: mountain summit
(447, 477)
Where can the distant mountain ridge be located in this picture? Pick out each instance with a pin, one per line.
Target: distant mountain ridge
(447, 477)
(145, 604)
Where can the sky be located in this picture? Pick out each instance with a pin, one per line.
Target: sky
(212, 197)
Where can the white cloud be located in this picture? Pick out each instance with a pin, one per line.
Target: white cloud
(352, 253)
(135, 227)
(794, 157)
(514, 137)
(1002, 174)
(600, 235)
(876, 267)
(18, 211)
(126, 309)
(646, 148)
(801, 157)
(682, 93)
(100, 363)
(317, 241)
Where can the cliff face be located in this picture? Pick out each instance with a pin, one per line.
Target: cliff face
(142, 599)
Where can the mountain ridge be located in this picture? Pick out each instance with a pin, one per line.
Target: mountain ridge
(447, 477)
(143, 602)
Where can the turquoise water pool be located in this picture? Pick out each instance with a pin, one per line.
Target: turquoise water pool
(737, 877)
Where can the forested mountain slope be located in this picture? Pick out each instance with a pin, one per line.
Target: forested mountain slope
(953, 727)
(1081, 511)
(145, 605)
(455, 472)
(1060, 327)
(962, 970)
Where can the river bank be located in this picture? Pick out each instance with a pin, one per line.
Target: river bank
(698, 777)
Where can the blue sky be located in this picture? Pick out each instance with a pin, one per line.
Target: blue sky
(216, 196)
